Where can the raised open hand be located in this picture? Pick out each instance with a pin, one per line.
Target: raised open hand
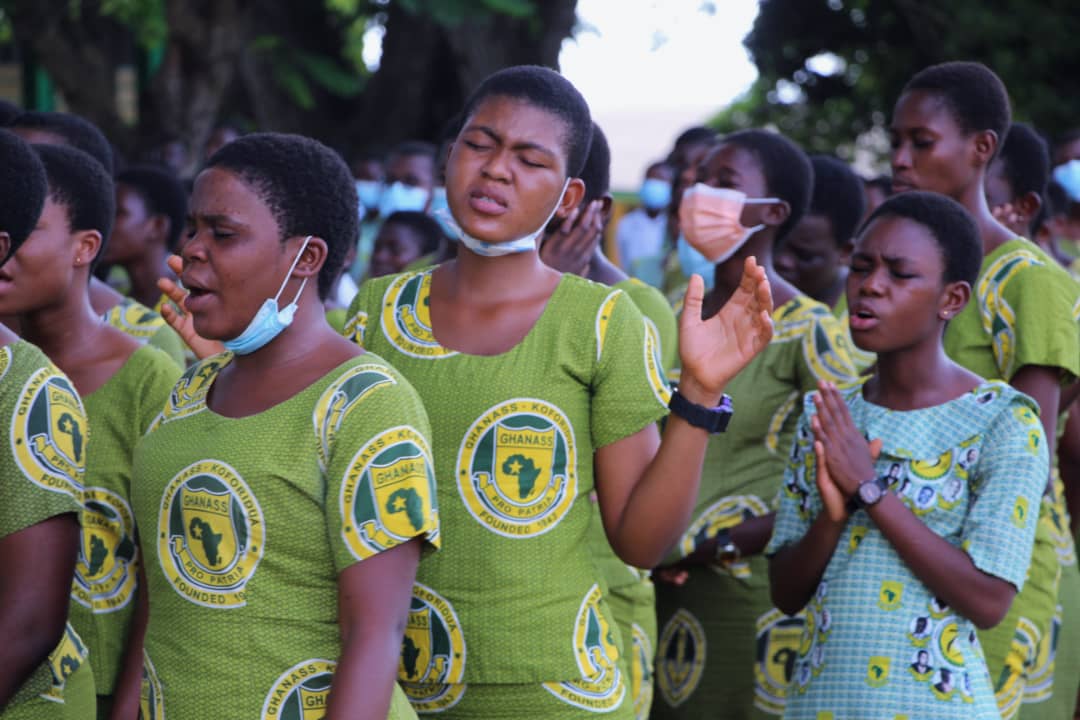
(713, 351)
(181, 321)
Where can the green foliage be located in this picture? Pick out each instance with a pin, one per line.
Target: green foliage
(297, 71)
(146, 18)
(831, 70)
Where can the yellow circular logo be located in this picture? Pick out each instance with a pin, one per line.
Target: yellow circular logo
(151, 702)
(388, 494)
(779, 641)
(432, 663)
(338, 400)
(654, 365)
(601, 687)
(211, 534)
(5, 360)
(134, 319)
(641, 673)
(406, 318)
(680, 657)
(188, 397)
(300, 693)
(726, 512)
(517, 468)
(105, 574)
(48, 433)
(934, 468)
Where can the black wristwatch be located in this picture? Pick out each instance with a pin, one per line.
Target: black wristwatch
(727, 552)
(868, 494)
(713, 420)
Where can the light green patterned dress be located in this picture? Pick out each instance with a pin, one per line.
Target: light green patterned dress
(512, 619)
(246, 524)
(1023, 312)
(42, 463)
(877, 642)
(722, 643)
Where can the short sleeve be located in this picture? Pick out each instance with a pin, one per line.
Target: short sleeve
(1031, 321)
(826, 352)
(169, 341)
(629, 391)
(797, 501)
(43, 462)
(376, 441)
(1007, 487)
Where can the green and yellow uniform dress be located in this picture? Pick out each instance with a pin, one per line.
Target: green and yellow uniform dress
(246, 524)
(1022, 313)
(632, 597)
(512, 619)
(877, 643)
(103, 594)
(42, 462)
(147, 326)
(722, 643)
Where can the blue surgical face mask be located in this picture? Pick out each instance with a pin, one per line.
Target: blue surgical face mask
(655, 194)
(1067, 175)
(400, 197)
(525, 243)
(691, 262)
(269, 321)
(369, 192)
(440, 208)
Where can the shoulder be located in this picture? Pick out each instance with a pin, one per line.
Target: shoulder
(1021, 263)
(188, 395)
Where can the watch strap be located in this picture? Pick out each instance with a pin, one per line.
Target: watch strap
(713, 420)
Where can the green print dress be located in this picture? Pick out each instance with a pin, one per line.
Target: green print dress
(973, 469)
(1023, 313)
(42, 473)
(246, 524)
(654, 306)
(102, 598)
(722, 644)
(512, 619)
(147, 326)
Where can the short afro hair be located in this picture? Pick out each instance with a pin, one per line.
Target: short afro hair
(597, 171)
(838, 195)
(80, 184)
(549, 91)
(949, 223)
(695, 135)
(788, 173)
(425, 227)
(1056, 203)
(8, 112)
(1025, 163)
(974, 94)
(73, 130)
(23, 188)
(306, 185)
(163, 193)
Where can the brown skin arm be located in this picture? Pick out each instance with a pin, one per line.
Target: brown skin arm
(1043, 384)
(1069, 465)
(37, 565)
(373, 606)
(128, 691)
(946, 571)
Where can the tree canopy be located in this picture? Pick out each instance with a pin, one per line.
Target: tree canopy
(831, 70)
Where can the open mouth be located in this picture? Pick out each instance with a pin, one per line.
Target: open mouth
(862, 319)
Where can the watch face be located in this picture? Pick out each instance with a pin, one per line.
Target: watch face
(869, 493)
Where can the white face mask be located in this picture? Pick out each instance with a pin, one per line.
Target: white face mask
(269, 320)
(525, 243)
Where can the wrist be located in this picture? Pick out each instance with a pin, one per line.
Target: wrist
(695, 392)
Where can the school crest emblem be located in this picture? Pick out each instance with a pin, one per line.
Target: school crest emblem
(105, 576)
(602, 686)
(680, 657)
(188, 397)
(432, 662)
(64, 660)
(48, 433)
(641, 673)
(388, 496)
(516, 470)
(725, 513)
(339, 399)
(654, 365)
(301, 692)
(406, 318)
(779, 638)
(890, 595)
(151, 702)
(134, 319)
(211, 534)
(877, 671)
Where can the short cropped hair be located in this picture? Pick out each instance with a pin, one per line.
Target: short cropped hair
(549, 91)
(74, 130)
(788, 173)
(424, 226)
(23, 189)
(974, 94)
(949, 224)
(838, 195)
(80, 184)
(307, 187)
(162, 192)
(1026, 160)
(597, 171)
(8, 112)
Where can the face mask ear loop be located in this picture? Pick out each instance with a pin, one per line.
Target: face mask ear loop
(292, 267)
